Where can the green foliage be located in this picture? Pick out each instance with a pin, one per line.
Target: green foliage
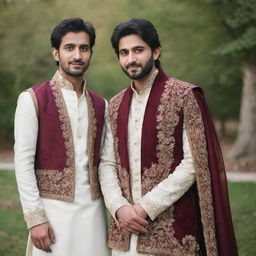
(189, 31)
(239, 18)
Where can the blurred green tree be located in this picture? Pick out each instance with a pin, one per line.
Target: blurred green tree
(239, 19)
(189, 31)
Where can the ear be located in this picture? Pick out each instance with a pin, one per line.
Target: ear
(55, 54)
(156, 53)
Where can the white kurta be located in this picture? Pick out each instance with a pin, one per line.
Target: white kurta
(79, 226)
(165, 193)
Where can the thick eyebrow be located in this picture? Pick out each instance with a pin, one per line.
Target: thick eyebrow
(70, 44)
(122, 50)
(82, 45)
(139, 46)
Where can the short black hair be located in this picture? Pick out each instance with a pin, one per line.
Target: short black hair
(72, 25)
(141, 27)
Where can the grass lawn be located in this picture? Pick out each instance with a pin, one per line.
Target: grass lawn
(13, 234)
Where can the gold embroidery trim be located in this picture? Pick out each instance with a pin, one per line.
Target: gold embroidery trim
(160, 231)
(122, 172)
(159, 239)
(147, 83)
(35, 217)
(69, 171)
(161, 228)
(196, 134)
(118, 238)
(55, 184)
(92, 131)
(64, 83)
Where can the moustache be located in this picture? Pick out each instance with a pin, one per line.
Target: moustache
(133, 64)
(76, 62)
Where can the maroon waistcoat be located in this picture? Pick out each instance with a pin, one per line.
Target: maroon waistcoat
(54, 160)
(189, 224)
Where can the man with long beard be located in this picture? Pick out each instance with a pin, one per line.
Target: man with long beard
(59, 126)
(161, 172)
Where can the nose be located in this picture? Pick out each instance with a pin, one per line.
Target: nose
(131, 57)
(77, 54)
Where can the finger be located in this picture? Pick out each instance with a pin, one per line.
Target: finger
(47, 247)
(51, 235)
(140, 220)
(42, 244)
(135, 221)
(137, 228)
(130, 230)
(38, 244)
(35, 243)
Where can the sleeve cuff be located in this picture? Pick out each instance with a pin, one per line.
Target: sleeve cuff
(149, 207)
(35, 217)
(116, 205)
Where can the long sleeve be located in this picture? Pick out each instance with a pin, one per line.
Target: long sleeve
(108, 174)
(173, 187)
(26, 129)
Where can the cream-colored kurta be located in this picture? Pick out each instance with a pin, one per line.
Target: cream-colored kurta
(79, 226)
(165, 193)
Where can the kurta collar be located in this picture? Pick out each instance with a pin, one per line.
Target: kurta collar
(64, 83)
(147, 83)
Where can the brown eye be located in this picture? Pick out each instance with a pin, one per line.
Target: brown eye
(123, 53)
(139, 50)
(85, 48)
(69, 48)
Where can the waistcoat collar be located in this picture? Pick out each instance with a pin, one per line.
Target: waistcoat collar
(65, 83)
(147, 84)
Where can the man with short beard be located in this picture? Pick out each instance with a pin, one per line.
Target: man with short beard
(59, 126)
(161, 171)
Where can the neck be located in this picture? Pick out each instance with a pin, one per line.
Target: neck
(139, 84)
(77, 82)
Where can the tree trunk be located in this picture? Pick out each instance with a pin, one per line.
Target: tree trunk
(223, 131)
(245, 144)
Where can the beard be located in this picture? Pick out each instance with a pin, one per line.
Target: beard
(144, 69)
(75, 73)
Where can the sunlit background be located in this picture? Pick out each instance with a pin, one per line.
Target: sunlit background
(211, 43)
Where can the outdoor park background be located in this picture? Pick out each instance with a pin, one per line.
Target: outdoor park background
(211, 43)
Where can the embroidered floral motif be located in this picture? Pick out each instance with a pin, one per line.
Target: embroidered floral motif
(164, 243)
(167, 119)
(64, 83)
(118, 238)
(196, 134)
(147, 83)
(92, 131)
(160, 237)
(56, 184)
(123, 173)
(35, 217)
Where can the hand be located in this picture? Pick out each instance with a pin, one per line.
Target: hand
(130, 220)
(42, 236)
(140, 211)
